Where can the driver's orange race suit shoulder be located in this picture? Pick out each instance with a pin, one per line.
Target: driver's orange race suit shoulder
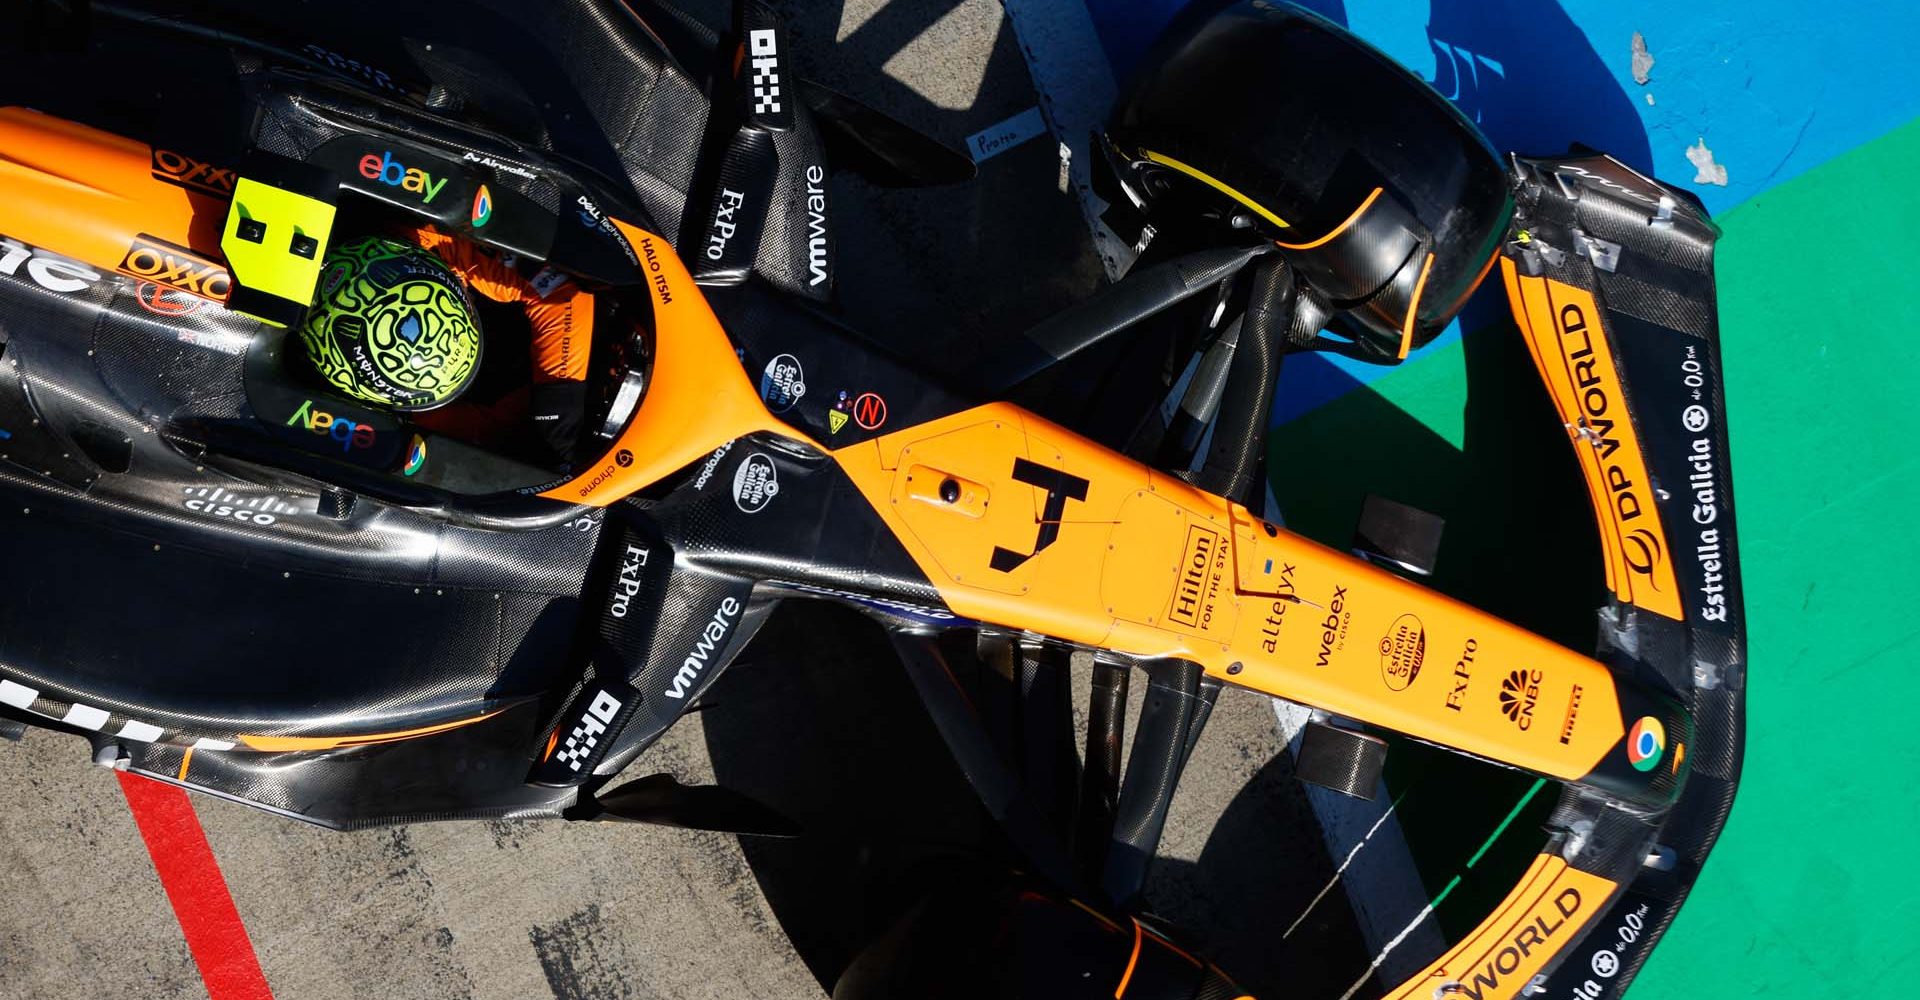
(561, 315)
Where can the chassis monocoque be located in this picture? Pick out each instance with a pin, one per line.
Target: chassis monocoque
(512, 637)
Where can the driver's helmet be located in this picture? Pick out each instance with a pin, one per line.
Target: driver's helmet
(391, 325)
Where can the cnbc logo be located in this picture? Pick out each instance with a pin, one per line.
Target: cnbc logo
(1519, 693)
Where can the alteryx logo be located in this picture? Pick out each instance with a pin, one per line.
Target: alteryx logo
(391, 172)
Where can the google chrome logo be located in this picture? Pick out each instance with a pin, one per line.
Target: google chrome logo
(1646, 742)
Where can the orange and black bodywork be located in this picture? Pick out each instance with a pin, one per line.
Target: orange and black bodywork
(511, 639)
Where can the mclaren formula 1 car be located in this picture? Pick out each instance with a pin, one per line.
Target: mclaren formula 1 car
(224, 575)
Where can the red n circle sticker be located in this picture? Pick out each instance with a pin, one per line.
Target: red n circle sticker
(869, 411)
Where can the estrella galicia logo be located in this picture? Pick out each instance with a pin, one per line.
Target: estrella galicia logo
(1519, 693)
(755, 483)
(1402, 651)
(782, 383)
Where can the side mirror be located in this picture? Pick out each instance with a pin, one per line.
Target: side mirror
(1389, 204)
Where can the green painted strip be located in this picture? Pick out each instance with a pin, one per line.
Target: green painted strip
(1538, 784)
(1454, 881)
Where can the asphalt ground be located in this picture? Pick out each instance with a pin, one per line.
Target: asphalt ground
(816, 719)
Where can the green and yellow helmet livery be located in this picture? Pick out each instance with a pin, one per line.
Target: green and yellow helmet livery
(391, 325)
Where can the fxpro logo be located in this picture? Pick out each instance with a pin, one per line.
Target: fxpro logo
(349, 433)
(1519, 693)
(1636, 539)
(724, 224)
(710, 639)
(763, 46)
(1462, 675)
(593, 724)
(391, 172)
(816, 225)
(627, 586)
(53, 273)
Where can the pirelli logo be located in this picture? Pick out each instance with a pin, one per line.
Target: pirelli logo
(1562, 326)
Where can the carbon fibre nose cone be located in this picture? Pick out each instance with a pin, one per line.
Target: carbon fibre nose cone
(1385, 198)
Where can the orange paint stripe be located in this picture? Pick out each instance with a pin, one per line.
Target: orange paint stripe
(1413, 308)
(1170, 946)
(1341, 228)
(185, 759)
(288, 743)
(1127, 976)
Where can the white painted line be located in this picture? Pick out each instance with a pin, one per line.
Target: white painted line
(208, 743)
(1002, 136)
(18, 695)
(85, 716)
(1076, 87)
(1383, 887)
(140, 731)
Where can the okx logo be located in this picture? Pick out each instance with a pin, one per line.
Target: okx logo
(176, 267)
(391, 172)
(1519, 693)
(598, 714)
(765, 50)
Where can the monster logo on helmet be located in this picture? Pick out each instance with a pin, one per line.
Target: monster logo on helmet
(391, 326)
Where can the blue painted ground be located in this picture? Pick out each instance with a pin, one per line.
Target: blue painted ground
(1773, 87)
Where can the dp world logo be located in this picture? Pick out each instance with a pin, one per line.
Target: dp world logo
(1519, 692)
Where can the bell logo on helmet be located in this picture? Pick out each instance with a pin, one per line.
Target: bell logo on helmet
(391, 172)
(349, 433)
